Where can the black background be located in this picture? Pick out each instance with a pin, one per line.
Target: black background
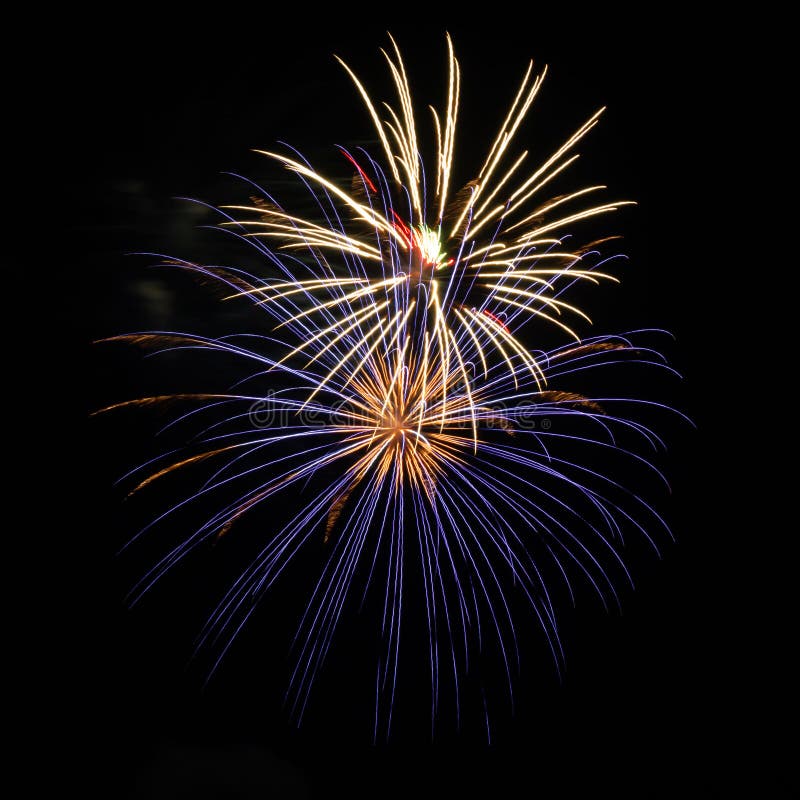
(668, 697)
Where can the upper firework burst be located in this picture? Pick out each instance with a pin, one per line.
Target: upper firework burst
(480, 261)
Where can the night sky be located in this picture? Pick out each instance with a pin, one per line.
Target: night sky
(655, 700)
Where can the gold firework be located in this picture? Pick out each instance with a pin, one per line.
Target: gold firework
(366, 269)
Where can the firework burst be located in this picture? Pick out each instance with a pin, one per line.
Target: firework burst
(482, 258)
(407, 394)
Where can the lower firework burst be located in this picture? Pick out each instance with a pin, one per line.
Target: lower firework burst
(463, 484)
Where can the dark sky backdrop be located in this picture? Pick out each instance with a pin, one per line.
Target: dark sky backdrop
(654, 697)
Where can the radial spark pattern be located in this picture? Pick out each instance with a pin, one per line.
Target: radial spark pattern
(394, 376)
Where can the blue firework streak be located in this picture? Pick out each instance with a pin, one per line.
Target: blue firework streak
(396, 380)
